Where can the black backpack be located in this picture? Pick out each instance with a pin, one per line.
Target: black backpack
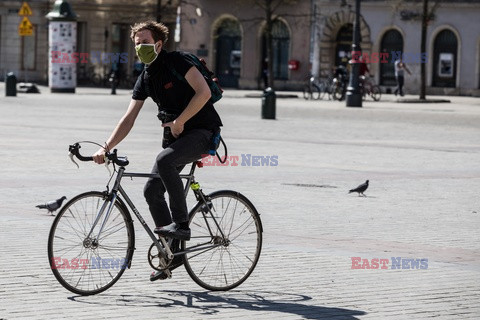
(209, 76)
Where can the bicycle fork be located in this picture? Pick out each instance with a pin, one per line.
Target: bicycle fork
(161, 244)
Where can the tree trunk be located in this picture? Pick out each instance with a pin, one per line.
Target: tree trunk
(268, 36)
(423, 77)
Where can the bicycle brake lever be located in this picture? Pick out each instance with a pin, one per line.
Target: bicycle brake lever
(107, 163)
(71, 158)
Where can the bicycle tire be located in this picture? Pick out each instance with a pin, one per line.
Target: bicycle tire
(68, 245)
(316, 92)
(376, 93)
(323, 88)
(307, 92)
(228, 265)
(338, 92)
(96, 80)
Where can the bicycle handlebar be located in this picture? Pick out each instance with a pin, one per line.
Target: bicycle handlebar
(112, 156)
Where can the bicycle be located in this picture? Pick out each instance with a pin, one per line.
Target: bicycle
(315, 89)
(92, 239)
(368, 87)
(87, 76)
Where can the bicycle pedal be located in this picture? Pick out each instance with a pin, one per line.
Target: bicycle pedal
(168, 273)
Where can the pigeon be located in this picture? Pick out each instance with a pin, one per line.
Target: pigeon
(52, 206)
(360, 189)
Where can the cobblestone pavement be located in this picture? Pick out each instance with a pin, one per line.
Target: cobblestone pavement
(422, 161)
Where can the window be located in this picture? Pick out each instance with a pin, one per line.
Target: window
(392, 41)
(344, 45)
(82, 37)
(229, 54)
(444, 59)
(280, 49)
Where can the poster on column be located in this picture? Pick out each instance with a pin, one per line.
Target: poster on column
(62, 43)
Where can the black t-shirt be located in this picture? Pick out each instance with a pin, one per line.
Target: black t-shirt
(171, 94)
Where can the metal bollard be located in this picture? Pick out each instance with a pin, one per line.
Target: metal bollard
(268, 104)
(113, 82)
(11, 85)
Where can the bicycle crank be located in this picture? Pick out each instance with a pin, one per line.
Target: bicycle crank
(155, 259)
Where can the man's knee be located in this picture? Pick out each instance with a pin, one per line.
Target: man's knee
(153, 192)
(165, 163)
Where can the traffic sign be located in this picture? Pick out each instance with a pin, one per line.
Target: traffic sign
(25, 10)
(25, 28)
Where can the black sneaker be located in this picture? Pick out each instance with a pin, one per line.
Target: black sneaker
(158, 275)
(174, 231)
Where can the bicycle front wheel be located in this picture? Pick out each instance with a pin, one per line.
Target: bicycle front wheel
(82, 262)
(322, 89)
(338, 92)
(228, 238)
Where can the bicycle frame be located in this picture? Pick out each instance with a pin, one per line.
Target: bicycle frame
(162, 245)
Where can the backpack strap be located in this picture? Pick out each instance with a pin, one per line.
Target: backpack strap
(146, 82)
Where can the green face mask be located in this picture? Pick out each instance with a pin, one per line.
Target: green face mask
(146, 53)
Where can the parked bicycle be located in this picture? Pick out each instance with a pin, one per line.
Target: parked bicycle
(86, 76)
(92, 239)
(369, 88)
(315, 89)
(339, 83)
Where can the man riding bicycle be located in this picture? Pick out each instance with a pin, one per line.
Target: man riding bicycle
(188, 118)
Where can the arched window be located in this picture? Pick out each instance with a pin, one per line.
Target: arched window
(444, 59)
(344, 44)
(280, 48)
(392, 41)
(228, 44)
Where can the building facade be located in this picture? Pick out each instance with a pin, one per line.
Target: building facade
(316, 35)
(103, 29)
(308, 37)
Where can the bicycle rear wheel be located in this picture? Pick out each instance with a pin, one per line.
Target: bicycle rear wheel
(81, 263)
(307, 92)
(233, 246)
(316, 92)
(338, 92)
(376, 93)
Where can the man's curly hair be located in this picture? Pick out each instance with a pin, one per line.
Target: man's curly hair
(159, 30)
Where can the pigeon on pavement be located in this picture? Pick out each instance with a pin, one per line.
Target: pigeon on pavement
(360, 189)
(52, 206)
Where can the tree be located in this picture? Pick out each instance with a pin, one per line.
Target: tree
(269, 8)
(268, 16)
(426, 16)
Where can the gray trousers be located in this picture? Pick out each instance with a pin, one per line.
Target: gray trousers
(169, 163)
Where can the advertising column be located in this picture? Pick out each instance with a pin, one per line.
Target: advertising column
(62, 43)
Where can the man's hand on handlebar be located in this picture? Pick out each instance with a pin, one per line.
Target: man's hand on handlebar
(99, 156)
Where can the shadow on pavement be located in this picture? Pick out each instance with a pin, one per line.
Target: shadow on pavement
(211, 303)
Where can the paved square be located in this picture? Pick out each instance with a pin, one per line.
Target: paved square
(422, 160)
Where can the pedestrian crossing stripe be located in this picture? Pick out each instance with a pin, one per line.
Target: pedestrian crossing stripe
(25, 28)
(25, 10)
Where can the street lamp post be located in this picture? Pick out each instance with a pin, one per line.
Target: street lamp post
(354, 96)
